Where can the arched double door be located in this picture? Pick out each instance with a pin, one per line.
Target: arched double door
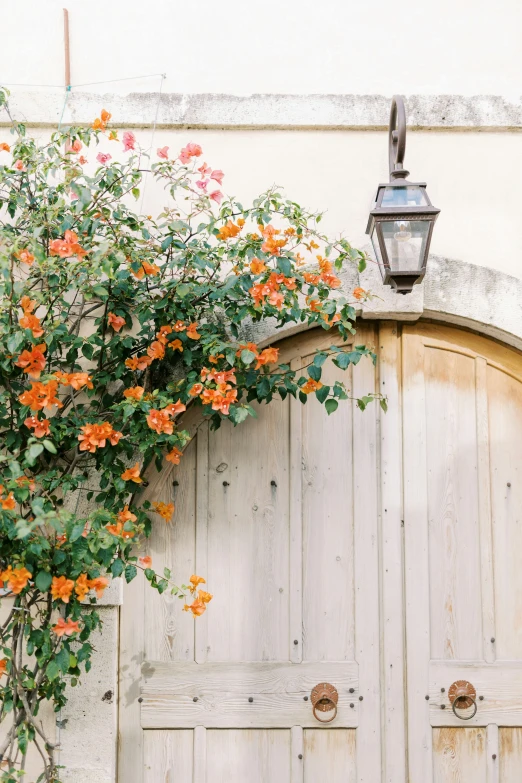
(379, 553)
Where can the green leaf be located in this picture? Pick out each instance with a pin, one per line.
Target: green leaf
(331, 405)
(320, 358)
(247, 357)
(34, 452)
(117, 567)
(49, 446)
(43, 581)
(322, 393)
(314, 372)
(384, 404)
(130, 572)
(62, 660)
(53, 670)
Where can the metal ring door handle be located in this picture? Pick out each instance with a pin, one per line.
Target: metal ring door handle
(324, 698)
(466, 706)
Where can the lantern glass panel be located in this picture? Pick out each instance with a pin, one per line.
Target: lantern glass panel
(408, 196)
(376, 247)
(405, 242)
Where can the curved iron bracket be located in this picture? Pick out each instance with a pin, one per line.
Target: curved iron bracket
(397, 139)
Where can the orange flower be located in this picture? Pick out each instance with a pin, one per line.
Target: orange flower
(179, 326)
(81, 588)
(16, 578)
(75, 379)
(123, 517)
(159, 421)
(5, 147)
(240, 222)
(67, 247)
(314, 305)
(359, 293)
(29, 321)
(311, 386)
(247, 347)
(41, 428)
(33, 362)
(162, 334)
(277, 299)
(204, 596)
(228, 231)
(195, 581)
(27, 304)
(3, 661)
(138, 363)
(8, 503)
(176, 345)
(214, 359)
(196, 389)
(146, 561)
(105, 115)
(156, 350)
(98, 584)
(116, 321)
(134, 393)
(165, 510)
(132, 474)
(290, 232)
(330, 280)
(333, 320)
(61, 588)
(100, 123)
(25, 481)
(197, 608)
(175, 407)
(311, 278)
(174, 456)
(96, 435)
(257, 266)
(41, 395)
(268, 356)
(25, 257)
(146, 269)
(192, 333)
(63, 628)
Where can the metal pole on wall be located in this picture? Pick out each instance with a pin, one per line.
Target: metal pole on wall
(67, 49)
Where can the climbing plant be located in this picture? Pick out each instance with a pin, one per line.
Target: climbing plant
(113, 323)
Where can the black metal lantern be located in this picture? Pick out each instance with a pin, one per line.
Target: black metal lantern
(402, 219)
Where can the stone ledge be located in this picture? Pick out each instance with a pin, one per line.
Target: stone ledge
(297, 112)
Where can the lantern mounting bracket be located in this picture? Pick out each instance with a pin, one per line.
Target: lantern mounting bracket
(397, 139)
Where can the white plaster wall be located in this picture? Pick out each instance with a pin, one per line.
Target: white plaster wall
(295, 46)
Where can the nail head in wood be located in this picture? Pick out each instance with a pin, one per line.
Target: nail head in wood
(295, 641)
(140, 700)
(494, 756)
(300, 756)
(427, 698)
(250, 699)
(195, 698)
(352, 705)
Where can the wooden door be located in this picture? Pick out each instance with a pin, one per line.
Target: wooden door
(280, 516)
(462, 425)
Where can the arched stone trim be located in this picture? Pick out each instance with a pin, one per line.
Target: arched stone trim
(453, 292)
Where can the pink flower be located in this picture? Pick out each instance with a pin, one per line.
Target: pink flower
(19, 165)
(73, 195)
(205, 170)
(162, 152)
(218, 176)
(190, 151)
(74, 147)
(202, 183)
(103, 158)
(217, 196)
(129, 140)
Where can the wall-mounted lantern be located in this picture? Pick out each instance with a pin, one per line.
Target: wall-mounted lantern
(402, 219)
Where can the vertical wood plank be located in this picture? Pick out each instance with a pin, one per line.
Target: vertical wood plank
(200, 755)
(248, 756)
(296, 527)
(485, 522)
(330, 756)
(392, 598)
(459, 755)
(202, 501)
(167, 758)
(416, 557)
(492, 759)
(328, 538)
(509, 757)
(132, 649)
(297, 755)
(365, 515)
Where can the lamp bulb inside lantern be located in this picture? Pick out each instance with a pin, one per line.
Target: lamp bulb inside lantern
(403, 231)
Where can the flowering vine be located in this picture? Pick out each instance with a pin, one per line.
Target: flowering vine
(112, 324)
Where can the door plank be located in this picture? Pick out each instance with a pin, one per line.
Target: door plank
(492, 760)
(330, 756)
(256, 756)
(297, 753)
(416, 557)
(485, 522)
(222, 693)
(328, 528)
(167, 758)
(202, 512)
(391, 541)
(509, 757)
(295, 641)
(366, 549)
(200, 755)
(459, 755)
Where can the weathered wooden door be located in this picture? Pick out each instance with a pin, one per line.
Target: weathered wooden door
(280, 516)
(381, 553)
(462, 424)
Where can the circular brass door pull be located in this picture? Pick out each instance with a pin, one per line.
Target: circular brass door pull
(324, 698)
(462, 695)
